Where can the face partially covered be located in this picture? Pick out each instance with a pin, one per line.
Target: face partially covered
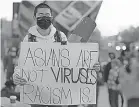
(43, 18)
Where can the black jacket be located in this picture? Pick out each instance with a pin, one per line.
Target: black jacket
(106, 71)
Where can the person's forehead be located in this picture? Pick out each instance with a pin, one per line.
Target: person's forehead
(43, 10)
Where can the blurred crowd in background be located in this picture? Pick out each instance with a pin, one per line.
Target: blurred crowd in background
(119, 54)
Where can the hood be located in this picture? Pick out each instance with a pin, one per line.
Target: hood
(33, 30)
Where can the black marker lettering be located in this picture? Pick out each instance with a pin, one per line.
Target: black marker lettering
(50, 57)
(38, 94)
(26, 75)
(27, 93)
(80, 58)
(91, 59)
(54, 58)
(67, 75)
(83, 73)
(86, 92)
(93, 77)
(55, 92)
(68, 60)
(38, 57)
(29, 57)
(86, 59)
(56, 77)
(72, 76)
(34, 75)
(43, 89)
(62, 75)
(66, 96)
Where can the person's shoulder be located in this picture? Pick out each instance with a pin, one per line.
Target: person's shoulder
(32, 29)
(109, 64)
(63, 36)
(112, 69)
(25, 38)
(29, 33)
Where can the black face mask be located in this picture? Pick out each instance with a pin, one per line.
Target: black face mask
(44, 22)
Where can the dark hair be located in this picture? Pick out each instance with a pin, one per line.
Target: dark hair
(9, 83)
(123, 52)
(41, 5)
(111, 53)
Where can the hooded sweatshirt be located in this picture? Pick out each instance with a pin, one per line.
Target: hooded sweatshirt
(48, 38)
(39, 38)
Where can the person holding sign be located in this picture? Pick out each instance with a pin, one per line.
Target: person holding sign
(43, 31)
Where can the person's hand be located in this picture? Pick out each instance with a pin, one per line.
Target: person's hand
(63, 42)
(18, 80)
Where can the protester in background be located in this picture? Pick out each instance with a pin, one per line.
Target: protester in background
(9, 90)
(130, 81)
(3, 75)
(43, 31)
(15, 59)
(124, 69)
(98, 72)
(113, 83)
(108, 66)
(9, 63)
(125, 58)
(133, 101)
(103, 66)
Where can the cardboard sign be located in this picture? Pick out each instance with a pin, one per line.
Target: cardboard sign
(59, 74)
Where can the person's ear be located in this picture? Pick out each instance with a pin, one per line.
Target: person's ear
(34, 17)
(52, 19)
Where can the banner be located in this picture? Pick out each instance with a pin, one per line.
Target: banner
(58, 74)
(71, 16)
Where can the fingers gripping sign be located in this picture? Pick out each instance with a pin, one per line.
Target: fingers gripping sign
(18, 80)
